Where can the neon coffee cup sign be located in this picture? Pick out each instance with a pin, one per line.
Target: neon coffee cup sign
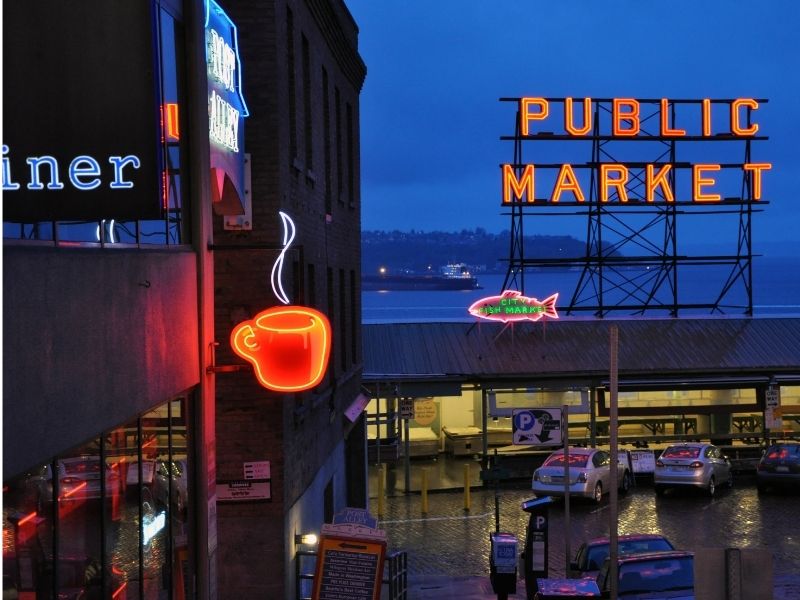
(289, 346)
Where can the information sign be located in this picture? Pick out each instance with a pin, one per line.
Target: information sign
(348, 569)
(257, 469)
(244, 490)
(643, 461)
(772, 410)
(536, 427)
(406, 408)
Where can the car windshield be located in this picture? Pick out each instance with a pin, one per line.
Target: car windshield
(656, 575)
(681, 452)
(597, 554)
(575, 460)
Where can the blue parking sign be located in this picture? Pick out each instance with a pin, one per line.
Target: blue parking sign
(536, 426)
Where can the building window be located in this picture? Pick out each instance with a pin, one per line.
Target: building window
(342, 322)
(354, 320)
(351, 166)
(339, 177)
(312, 286)
(307, 113)
(172, 228)
(331, 312)
(106, 520)
(326, 126)
(291, 83)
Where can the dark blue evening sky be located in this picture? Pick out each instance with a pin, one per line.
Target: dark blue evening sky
(431, 119)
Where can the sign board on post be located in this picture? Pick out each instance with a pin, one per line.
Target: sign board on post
(772, 408)
(350, 558)
(406, 408)
(643, 461)
(536, 426)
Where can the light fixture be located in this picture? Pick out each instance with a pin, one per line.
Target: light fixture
(309, 539)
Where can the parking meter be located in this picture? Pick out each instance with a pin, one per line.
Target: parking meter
(503, 564)
(535, 556)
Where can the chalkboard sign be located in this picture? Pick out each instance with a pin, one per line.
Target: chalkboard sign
(349, 569)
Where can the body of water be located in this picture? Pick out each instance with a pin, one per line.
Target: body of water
(776, 291)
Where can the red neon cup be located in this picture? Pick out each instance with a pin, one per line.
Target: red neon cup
(289, 347)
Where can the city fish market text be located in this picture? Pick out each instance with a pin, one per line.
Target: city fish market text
(511, 305)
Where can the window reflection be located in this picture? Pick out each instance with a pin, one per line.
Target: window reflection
(107, 520)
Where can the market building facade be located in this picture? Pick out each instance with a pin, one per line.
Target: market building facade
(140, 225)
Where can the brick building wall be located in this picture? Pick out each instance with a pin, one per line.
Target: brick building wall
(304, 161)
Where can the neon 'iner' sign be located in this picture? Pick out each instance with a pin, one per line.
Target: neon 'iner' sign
(83, 172)
(613, 179)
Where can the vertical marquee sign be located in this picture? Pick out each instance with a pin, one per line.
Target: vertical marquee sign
(81, 119)
(226, 112)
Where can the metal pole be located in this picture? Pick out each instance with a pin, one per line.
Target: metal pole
(567, 529)
(466, 487)
(613, 419)
(407, 458)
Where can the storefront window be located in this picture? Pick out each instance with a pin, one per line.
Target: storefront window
(108, 520)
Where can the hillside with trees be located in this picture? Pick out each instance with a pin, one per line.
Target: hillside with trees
(420, 252)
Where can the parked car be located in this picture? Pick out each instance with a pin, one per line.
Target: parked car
(779, 466)
(660, 575)
(78, 480)
(694, 465)
(177, 471)
(593, 553)
(563, 589)
(589, 474)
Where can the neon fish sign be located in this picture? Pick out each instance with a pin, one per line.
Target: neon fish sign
(512, 306)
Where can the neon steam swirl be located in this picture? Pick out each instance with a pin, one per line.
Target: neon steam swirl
(277, 268)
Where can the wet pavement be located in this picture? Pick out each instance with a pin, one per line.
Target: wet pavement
(448, 547)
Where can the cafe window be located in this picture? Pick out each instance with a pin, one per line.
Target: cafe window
(172, 228)
(106, 520)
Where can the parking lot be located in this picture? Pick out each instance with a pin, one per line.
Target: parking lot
(449, 541)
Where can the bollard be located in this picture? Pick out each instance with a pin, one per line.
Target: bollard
(381, 480)
(424, 491)
(466, 487)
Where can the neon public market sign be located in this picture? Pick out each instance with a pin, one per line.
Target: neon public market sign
(626, 120)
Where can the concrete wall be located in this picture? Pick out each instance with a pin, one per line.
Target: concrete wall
(91, 338)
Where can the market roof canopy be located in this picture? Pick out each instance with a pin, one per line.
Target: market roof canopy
(701, 347)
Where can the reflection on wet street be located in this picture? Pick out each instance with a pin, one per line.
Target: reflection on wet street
(450, 541)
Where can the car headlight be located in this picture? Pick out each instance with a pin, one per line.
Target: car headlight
(536, 475)
(581, 477)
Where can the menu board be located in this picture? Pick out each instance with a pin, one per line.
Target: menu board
(349, 569)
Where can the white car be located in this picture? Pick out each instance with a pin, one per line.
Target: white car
(692, 465)
(589, 474)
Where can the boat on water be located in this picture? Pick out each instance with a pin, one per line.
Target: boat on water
(452, 277)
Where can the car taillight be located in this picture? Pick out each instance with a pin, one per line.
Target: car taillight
(696, 465)
(69, 480)
(581, 477)
(659, 464)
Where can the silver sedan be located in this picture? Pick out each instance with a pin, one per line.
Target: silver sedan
(589, 474)
(693, 465)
